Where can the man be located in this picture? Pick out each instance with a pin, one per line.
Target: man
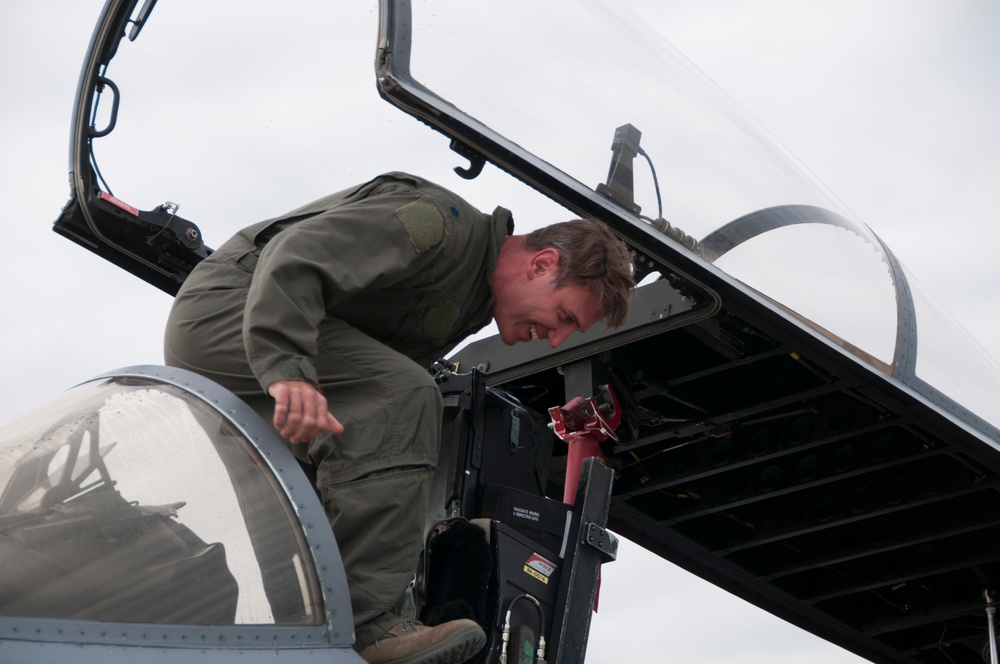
(324, 321)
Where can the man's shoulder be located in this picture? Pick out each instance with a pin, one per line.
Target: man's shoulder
(462, 221)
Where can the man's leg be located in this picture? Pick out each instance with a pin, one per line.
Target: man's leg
(375, 478)
(381, 547)
(204, 332)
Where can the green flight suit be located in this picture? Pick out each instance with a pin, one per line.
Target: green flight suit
(357, 293)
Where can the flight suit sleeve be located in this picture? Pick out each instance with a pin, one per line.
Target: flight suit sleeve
(309, 268)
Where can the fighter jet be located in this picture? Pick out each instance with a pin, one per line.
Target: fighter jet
(786, 414)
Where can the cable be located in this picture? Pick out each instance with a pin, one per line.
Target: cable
(540, 652)
(656, 182)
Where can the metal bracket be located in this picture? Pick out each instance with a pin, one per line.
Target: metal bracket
(602, 540)
(620, 186)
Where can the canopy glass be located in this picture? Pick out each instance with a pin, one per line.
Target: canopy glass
(128, 500)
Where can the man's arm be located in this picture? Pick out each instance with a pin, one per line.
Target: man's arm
(302, 273)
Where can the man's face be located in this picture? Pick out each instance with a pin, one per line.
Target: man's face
(534, 308)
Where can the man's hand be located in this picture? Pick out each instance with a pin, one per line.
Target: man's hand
(300, 412)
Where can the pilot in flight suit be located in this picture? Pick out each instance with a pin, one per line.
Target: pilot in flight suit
(356, 294)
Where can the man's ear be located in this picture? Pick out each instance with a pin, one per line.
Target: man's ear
(543, 263)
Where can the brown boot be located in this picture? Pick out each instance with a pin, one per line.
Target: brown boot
(413, 643)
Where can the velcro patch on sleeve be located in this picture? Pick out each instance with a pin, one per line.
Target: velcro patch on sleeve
(423, 223)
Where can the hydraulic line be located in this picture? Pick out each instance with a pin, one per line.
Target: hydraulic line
(522, 635)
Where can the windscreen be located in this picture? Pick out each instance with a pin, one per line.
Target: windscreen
(130, 501)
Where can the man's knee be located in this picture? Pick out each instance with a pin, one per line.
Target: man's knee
(418, 417)
(423, 398)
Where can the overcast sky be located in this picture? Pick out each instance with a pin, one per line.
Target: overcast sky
(892, 103)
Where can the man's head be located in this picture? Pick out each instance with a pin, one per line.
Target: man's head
(559, 279)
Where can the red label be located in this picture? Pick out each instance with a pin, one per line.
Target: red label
(117, 203)
(542, 566)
